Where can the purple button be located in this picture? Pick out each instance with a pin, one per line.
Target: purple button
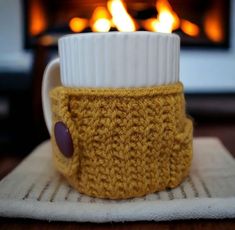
(63, 139)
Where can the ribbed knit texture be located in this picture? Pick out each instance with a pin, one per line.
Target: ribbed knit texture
(127, 142)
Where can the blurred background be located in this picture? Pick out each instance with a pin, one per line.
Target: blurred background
(29, 31)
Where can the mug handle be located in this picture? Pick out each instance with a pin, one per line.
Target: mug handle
(51, 79)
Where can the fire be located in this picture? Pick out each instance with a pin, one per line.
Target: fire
(120, 17)
(37, 22)
(100, 20)
(190, 28)
(78, 24)
(213, 26)
(115, 15)
(167, 21)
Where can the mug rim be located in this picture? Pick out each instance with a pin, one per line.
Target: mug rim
(111, 33)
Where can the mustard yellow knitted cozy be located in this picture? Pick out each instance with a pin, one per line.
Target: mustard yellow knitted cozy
(126, 142)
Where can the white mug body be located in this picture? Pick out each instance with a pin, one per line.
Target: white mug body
(119, 59)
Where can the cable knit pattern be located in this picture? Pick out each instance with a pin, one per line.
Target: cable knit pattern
(127, 142)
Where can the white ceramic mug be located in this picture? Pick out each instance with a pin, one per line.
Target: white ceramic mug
(112, 60)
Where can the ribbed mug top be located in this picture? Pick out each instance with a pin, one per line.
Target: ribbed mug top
(119, 59)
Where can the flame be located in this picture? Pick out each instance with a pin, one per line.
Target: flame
(78, 24)
(120, 17)
(100, 20)
(166, 21)
(37, 18)
(190, 28)
(150, 24)
(213, 26)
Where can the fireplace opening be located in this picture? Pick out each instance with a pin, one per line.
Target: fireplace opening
(201, 23)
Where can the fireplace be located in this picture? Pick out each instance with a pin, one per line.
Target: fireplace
(201, 23)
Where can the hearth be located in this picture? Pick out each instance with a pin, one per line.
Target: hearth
(201, 23)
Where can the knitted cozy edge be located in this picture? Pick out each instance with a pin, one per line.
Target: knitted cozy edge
(127, 142)
(120, 92)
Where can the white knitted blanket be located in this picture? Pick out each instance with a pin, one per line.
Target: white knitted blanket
(35, 190)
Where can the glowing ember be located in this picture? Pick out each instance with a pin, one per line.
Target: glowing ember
(190, 28)
(121, 19)
(78, 24)
(47, 40)
(100, 20)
